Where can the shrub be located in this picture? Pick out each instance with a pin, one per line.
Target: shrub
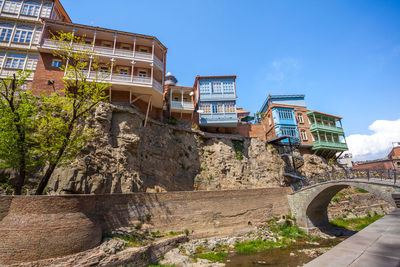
(238, 146)
(172, 121)
(186, 231)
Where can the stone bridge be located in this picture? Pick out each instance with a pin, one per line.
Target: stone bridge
(309, 204)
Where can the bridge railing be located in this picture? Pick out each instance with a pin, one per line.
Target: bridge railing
(390, 176)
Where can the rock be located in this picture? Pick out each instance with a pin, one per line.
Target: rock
(127, 157)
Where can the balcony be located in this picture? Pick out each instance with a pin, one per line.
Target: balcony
(326, 128)
(5, 73)
(219, 120)
(105, 52)
(182, 106)
(329, 145)
(216, 96)
(122, 79)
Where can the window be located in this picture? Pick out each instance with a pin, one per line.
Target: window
(230, 107)
(205, 107)
(12, 6)
(5, 32)
(300, 118)
(31, 8)
(107, 44)
(269, 120)
(32, 62)
(104, 69)
(46, 10)
(123, 71)
(205, 87)
(88, 41)
(214, 108)
(142, 73)
(285, 114)
(23, 35)
(56, 63)
(176, 99)
(228, 87)
(125, 47)
(217, 87)
(36, 37)
(303, 135)
(15, 61)
(143, 49)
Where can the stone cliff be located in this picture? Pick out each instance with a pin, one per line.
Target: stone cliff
(128, 157)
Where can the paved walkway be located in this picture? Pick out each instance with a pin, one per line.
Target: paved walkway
(376, 245)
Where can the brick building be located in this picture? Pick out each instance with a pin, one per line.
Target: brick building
(314, 132)
(20, 31)
(391, 162)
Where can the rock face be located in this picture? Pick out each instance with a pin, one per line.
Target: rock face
(315, 165)
(127, 157)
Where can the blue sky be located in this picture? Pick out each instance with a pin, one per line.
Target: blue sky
(344, 55)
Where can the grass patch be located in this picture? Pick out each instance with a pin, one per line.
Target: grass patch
(360, 190)
(356, 224)
(238, 146)
(213, 256)
(258, 245)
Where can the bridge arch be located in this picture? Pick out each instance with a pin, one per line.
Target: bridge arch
(310, 205)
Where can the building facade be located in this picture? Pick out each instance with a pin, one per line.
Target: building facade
(286, 115)
(215, 97)
(391, 162)
(314, 132)
(20, 32)
(133, 64)
(178, 100)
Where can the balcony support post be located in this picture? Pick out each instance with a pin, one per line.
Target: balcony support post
(12, 34)
(33, 35)
(326, 138)
(134, 47)
(90, 67)
(71, 44)
(115, 43)
(147, 112)
(20, 8)
(319, 138)
(4, 62)
(40, 10)
(26, 61)
(112, 66)
(2, 5)
(94, 40)
(182, 97)
(152, 73)
(133, 67)
(152, 51)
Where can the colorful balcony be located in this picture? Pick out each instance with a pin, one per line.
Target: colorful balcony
(329, 145)
(327, 128)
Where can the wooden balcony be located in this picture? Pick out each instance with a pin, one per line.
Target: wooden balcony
(326, 128)
(122, 79)
(49, 44)
(329, 145)
(182, 106)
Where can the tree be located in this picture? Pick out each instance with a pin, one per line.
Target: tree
(18, 112)
(62, 131)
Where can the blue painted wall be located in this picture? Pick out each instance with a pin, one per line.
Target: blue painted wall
(285, 122)
(217, 97)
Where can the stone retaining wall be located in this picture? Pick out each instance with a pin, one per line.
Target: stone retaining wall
(40, 227)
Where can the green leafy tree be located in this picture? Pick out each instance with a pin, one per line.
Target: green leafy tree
(62, 131)
(18, 113)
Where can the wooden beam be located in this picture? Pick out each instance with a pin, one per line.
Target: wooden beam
(148, 109)
(138, 97)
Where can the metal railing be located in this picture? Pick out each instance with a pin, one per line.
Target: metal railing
(105, 51)
(387, 176)
(315, 126)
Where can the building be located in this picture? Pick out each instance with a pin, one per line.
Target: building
(20, 33)
(134, 64)
(215, 97)
(286, 115)
(327, 134)
(178, 100)
(314, 132)
(346, 160)
(391, 162)
(241, 114)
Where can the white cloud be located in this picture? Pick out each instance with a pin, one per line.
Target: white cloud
(377, 144)
(280, 70)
